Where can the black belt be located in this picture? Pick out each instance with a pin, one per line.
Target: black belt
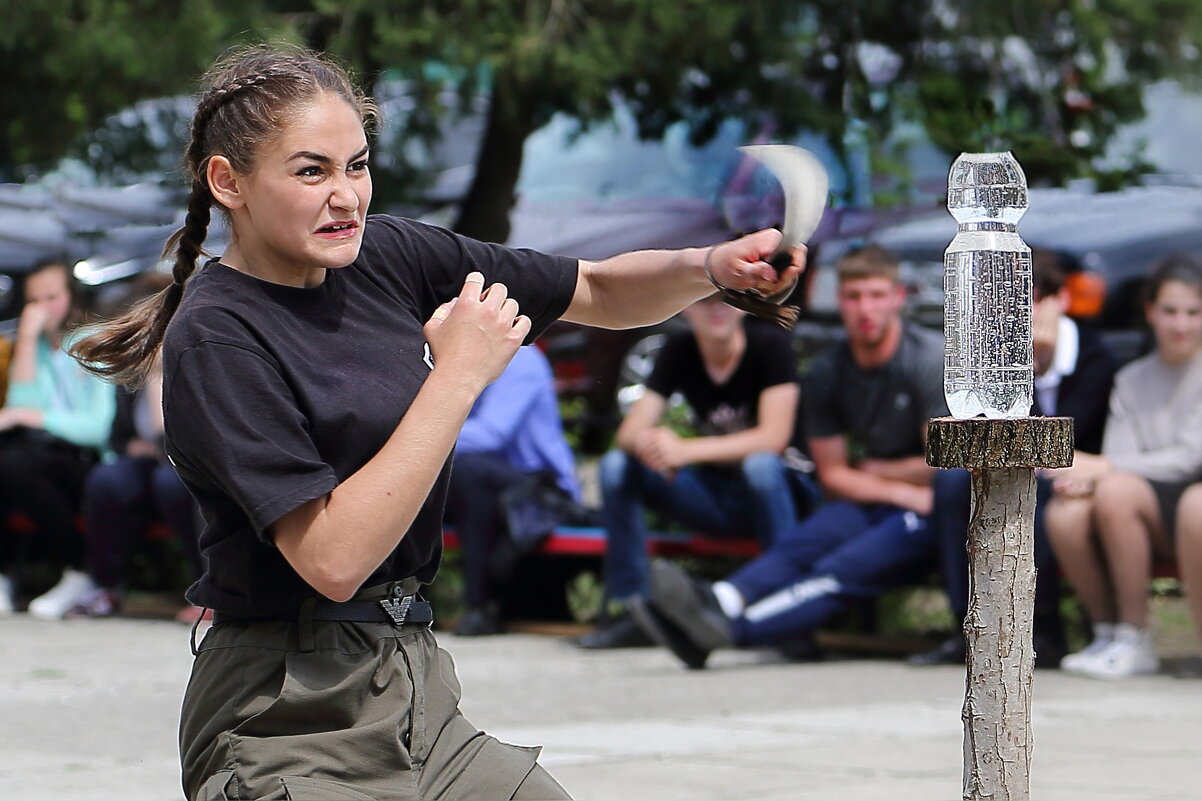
(418, 612)
(396, 608)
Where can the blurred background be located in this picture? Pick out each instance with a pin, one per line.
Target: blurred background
(590, 128)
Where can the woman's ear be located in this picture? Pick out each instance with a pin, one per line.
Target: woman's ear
(224, 182)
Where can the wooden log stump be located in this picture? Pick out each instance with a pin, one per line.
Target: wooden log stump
(1001, 456)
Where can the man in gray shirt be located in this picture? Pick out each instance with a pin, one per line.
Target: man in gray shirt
(867, 400)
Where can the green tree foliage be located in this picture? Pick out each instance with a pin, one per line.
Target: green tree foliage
(693, 60)
(68, 64)
(1051, 80)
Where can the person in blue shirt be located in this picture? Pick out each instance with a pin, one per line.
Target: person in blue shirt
(510, 453)
(53, 427)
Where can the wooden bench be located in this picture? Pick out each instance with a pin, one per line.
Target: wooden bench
(590, 541)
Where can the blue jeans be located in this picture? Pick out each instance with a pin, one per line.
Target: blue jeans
(474, 505)
(754, 498)
(843, 551)
(119, 499)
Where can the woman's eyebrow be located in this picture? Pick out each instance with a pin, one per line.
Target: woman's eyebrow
(322, 159)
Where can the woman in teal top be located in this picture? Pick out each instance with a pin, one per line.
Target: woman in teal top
(53, 427)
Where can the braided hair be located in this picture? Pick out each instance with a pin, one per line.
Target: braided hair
(249, 96)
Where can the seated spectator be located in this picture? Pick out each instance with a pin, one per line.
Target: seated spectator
(1074, 370)
(1112, 514)
(53, 428)
(740, 382)
(513, 476)
(121, 498)
(1189, 560)
(867, 400)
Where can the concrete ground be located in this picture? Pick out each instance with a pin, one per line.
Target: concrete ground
(88, 711)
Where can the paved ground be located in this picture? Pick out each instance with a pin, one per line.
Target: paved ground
(88, 711)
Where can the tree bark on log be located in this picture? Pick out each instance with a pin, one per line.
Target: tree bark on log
(998, 632)
(1001, 456)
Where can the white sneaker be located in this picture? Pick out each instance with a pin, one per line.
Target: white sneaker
(1103, 634)
(70, 590)
(8, 597)
(1130, 653)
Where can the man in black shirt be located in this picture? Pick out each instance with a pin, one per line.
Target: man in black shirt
(867, 401)
(740, 382)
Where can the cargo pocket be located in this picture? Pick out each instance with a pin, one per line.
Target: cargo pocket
(214, 788)
(298, 788)
(495, 770)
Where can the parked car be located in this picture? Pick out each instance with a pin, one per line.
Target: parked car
(107, 234)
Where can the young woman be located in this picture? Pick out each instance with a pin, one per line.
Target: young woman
(53, 427)
(316, 378)
(1113, 513)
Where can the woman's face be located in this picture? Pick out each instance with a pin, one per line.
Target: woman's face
(303, 205)
(48, 288)
(1175, 315)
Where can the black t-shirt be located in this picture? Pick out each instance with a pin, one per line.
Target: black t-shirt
(273, 395)
(732, 406)
(881, 411)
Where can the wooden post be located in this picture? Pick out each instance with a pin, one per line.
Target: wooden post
(1002, 456)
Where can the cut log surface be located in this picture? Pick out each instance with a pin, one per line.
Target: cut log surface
(983, 444)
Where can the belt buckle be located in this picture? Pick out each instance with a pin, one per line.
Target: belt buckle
(396, 606)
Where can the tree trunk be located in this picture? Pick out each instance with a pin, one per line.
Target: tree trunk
(1002, 456)
(998, 634)
(484, 212)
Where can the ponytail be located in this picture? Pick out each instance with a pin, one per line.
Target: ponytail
(124, 349)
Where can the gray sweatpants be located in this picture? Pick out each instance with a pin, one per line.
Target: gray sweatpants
(363, 711)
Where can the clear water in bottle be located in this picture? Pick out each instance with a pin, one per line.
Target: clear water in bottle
(988, 359)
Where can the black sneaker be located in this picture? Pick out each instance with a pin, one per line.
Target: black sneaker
(800, 648)
(667, 634)
(1049, 650)
(480, 621)
(619, 631)
(948, 652)
(1189, 667)
(690, 604)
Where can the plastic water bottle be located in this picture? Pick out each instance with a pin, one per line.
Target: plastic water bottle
(987, 290)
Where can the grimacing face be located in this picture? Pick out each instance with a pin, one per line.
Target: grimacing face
(302, 207)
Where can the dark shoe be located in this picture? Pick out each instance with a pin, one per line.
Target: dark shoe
(801, 648)
(667, 634)
(1048, 651)
(619, 631)
(479, 622)
(948, 652)
(1189, 667)
(690, 605)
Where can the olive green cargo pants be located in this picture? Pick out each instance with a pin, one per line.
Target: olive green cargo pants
(361, 711)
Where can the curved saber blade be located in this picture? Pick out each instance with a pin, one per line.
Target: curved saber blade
(804, 180)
